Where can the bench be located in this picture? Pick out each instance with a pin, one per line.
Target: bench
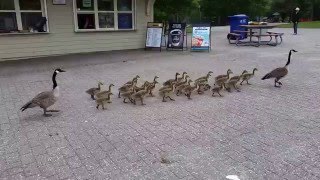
(276, 35)
(233, 36)
(271, 35)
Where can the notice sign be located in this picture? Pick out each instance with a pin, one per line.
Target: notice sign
(176, 35)
(154, 35)
(86, 3)
(201, 37)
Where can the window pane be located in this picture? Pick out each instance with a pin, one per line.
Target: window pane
(86, 21)
(30, 20)
(106, 20)
(8, 22)
(30, 4)
(85, 5)
(105, 5)
(6, 5)
(125, 21)
(124, 5)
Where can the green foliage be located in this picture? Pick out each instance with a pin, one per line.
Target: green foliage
(176, 10)
(312, 24)
(219, 11)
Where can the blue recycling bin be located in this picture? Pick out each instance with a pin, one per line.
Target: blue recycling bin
(235, 21)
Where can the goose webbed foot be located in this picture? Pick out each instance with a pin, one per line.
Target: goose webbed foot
(171, 98)
(92, 97)
(47, 115)
(219, 94)
(163, 99)
(242, 82)
(53, 110)
(124, 100)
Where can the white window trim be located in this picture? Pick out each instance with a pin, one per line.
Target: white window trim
(18, 12)
(96, 17)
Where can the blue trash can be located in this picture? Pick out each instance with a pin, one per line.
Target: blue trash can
(235, 21)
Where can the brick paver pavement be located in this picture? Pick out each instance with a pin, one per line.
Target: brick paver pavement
(259, 133)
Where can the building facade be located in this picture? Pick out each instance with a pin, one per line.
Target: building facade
(36, 28)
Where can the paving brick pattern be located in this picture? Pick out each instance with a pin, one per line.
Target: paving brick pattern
(259, 133)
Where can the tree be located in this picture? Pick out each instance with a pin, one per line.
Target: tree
(174, 10)
(220, 10)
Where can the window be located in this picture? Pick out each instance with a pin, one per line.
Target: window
(23, 16)
(97, 15)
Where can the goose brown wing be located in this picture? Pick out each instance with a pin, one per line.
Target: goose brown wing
(279, 72)
(43, 97)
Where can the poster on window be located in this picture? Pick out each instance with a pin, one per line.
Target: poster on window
(201, 37)
(86, 3)
(176, 35)
(154, 35)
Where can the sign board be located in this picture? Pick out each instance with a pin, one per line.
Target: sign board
(154, 35)
(176, 35)
(58, 2)
(201, 37)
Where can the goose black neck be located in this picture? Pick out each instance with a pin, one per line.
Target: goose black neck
(289, 58)
(54, 80)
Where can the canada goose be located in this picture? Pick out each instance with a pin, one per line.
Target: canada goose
(103, 100)
(189, 89)
(181, 87)
(134, 79)
(217, 89)
(222, 79)
(127, 87)
(204, 77)
(140, 95)
(247, 76)
(202, 87)
(184, 81)
(224, 75)
(145, 84)
(47, 98)
(279, 72)
(167, 92)
(152, 85)
(104, 93)
(168, 82)
(127, 95)
(234, 80)
(182, 77)
(93, 91)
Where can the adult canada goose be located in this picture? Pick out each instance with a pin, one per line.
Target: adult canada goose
(93, 91)
(247, 76)
(279, 72)
(47, 98)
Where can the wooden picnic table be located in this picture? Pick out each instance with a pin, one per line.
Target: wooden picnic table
(260, 35)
